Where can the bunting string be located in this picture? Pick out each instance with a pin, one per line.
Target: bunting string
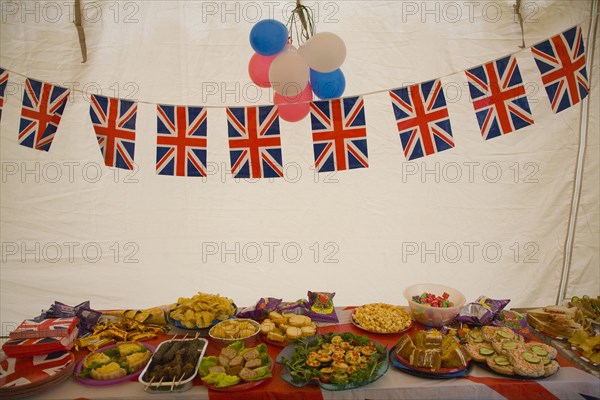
(339, 129)
(376, 91)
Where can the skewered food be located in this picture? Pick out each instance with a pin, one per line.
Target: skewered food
(174, 361)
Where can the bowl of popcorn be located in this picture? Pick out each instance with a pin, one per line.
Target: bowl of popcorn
(381, 318)
(433, 304)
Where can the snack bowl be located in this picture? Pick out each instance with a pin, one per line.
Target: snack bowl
(221, 335)
(434, 316)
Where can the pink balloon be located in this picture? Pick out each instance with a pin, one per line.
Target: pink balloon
(293, 109)
(258, 69)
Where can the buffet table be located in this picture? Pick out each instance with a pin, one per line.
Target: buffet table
(570, 382)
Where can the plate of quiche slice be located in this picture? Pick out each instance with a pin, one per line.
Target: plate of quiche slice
(113, 364)
(507, 353)
(430, 353)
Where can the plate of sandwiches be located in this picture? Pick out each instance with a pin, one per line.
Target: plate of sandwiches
(507, 353)
(429, 353)
(281, 329)
(556, 322)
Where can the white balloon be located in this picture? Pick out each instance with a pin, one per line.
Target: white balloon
(289, 73)
(324, 52)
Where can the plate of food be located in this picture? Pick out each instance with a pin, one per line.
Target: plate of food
(237, 368)
(507, 353)
(555, 322)
(201, 312)
(381, 318)
(25, 374)
(281, 329)
(586, 347)
(336, 361)
(173, 365)
(432, 354)
(113, 364)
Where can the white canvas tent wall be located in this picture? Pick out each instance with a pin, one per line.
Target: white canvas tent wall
(365, 234)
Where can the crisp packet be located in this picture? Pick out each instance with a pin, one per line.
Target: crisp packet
(87, 319)
(481, 311)
(62, 310)
(293, 307)
(320, 307)
(513, 320)
(261, 309)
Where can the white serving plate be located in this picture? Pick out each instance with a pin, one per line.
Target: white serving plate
(161, 387)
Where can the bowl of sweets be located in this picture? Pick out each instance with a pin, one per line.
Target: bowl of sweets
(433, 304)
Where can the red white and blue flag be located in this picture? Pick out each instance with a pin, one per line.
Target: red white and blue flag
(499, 97)
(181, 141)
(43, 106)
(254, 142)
(3, 83)
(36, 346)
(49, 327)
(561, 61)
(339, 131)
(16, 372)
(422, 119)
(114, 124)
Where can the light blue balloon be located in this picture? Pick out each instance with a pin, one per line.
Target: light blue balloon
(268, 37)
(328, 85)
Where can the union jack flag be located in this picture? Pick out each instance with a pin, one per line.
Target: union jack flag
(50, 327)
(37, 346)
(254, 142)
(21, 371)
(181, 141)
(561, 61)
(43, 106)
(422, 119)
(114, 124)
(339, 134)
(499, 97)
(3, 81)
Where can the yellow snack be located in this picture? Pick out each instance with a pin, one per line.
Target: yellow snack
(137, 361)
(201, 310)
(287, 327)
(234, 329)
(99, 358)
(108, 371)
(382, 318)
(127, 348)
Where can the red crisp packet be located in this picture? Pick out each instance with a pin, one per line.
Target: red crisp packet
(320, 307)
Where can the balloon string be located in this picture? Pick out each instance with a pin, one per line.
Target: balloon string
(301, 24)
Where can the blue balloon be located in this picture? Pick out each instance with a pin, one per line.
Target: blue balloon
(268, 37)
(328, 85)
